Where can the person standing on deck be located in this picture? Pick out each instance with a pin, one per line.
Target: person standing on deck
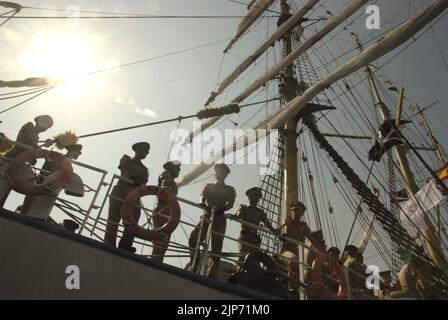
(249, 240)
(166, 182)
(297, 230)
(49, 167)
(219, 197)
(134, 170)
(28, 135)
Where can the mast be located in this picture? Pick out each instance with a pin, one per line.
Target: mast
(440, 155)
(430, 239)
(289, 88)
(435, 143)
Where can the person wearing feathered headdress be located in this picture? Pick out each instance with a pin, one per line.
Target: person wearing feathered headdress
(68, 141)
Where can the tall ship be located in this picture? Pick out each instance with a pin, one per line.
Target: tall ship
(314, 169)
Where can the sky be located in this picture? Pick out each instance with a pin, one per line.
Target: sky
(178, 84)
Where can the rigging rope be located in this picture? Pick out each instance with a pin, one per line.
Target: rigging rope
(179, 118)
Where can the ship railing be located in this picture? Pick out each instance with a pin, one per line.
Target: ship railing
(230, 257)
(95, 190)
(87, 222)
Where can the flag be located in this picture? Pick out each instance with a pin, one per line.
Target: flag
(388, 82)
(414, 210)
(442, 173)
(388, 137)
(412, 108)
(393, 88)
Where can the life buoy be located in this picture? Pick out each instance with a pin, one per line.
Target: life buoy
(253, 260)
(132, 200)
(56, 181)
(317, 277)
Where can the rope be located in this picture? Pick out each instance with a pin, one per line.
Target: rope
(29, 99)
(180, 118)
(358, 208)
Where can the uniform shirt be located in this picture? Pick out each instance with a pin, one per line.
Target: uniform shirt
(133, 170)
(250, 214)
(27, 135)
(356, 280)
(167, 182)
(219, 197)
(297, 230)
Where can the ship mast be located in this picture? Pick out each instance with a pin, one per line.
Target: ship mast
(289, 88)
(440, 155)
(430, 239)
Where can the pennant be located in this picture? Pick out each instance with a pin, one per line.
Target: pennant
(388, 137)
(412, 108)
(414, 210)
(442, 173)
(388, 82)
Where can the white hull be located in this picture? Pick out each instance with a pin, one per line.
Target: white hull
(35, 255)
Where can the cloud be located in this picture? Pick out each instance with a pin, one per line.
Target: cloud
(147, 113)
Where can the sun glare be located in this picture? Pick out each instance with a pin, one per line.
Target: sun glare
(65, 58)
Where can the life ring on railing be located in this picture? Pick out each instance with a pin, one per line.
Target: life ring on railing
(132, 200)
(57, 180)
(254, 259)
(317, 277)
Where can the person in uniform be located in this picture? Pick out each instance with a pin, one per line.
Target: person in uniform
(219, 197)
(249, 240)
(134, 170)
(166, 182)
(413, 282)
(73, 153)
(28, 135)
(353, 261)
(297, 230)
(310, 254)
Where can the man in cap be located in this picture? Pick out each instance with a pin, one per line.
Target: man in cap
(413, 280)
(136, 175)
(161, 211)
(249, 240)
(73, 153)
(220, 198)
(297, 230)
(353, 261)
(28, 135)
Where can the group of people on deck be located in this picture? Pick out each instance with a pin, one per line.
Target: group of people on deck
(216, 199)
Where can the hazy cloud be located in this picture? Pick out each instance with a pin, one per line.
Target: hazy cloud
(147, 113)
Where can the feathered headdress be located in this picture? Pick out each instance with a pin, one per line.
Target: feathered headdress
(65, 139)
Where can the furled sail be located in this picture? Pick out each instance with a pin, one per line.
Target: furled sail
(29, 82)
(350, 9)
(280, 32)
(253, 14)
(391, 41)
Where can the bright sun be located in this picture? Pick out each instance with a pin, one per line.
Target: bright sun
(64, 57)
